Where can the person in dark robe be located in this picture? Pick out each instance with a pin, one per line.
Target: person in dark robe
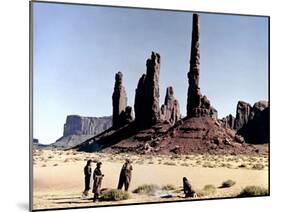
(125, 175)
(97, 176)
(187, 189)
(87, 174)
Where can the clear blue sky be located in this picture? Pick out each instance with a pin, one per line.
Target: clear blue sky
(78, 49)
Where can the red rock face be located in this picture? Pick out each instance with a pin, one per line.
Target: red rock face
(197, 105)
(119, 101)
(147, 111)
(170, 110)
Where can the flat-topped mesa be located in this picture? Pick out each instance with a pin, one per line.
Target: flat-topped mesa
(147, 110)
(119, 102)
(197, 105)
(170, 110)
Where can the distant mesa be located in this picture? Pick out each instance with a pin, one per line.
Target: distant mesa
(77, 129)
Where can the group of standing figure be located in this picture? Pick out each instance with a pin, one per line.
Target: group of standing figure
(124, 178)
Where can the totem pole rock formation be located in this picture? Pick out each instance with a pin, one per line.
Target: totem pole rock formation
(121, 112)
(147, 111)
(197, 105)
(170, 110)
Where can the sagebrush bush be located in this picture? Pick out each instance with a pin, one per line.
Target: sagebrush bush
(115, 195)
(227, 183)
(168, 187)
(250, 191)
(258, 166)
(147, 189)
(170, 163)
(211, 189)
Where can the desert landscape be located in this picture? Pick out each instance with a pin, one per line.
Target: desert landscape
(59, 179)
(221, 157)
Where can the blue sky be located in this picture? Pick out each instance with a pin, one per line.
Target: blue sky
(78, 49)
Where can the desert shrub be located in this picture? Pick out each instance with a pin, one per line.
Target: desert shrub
(184, 164)
(150, 162)
(208, 165)
(258, 166)
(168, 187)
(44, 165)
(251, 191)
(139, 162)
(207, 190)
(55, 164)
(149, 189)
(227, 183)
(115, 195)
(50, 156)
(170, 163)
(242, 165)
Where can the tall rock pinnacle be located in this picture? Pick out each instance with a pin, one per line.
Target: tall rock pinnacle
(119, 101)
(170, 110)
(147, 110)
(197, 105)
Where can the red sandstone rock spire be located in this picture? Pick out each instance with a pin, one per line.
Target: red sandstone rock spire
(147, 110)
(197, 105)
(119, 100)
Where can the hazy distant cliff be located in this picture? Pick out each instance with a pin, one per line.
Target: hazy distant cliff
(78, 125)
(78, 128)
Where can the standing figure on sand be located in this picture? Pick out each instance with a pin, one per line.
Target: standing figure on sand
(97, 176)
(125, 175)
(87, 174)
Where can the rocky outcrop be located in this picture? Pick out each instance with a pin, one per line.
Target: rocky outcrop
(243, 111)
(228, 121)
(79, 125)
(197, 105)
(251, 122)
(147, 111)
(170, 110)
(121, 113)
(256, 130)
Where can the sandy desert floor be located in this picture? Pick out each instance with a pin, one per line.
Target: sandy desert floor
(59, 180)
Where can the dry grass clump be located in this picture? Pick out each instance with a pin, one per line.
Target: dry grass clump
(258, 166)
(184, 164)
(228, 183)
(208, 190)
(251, 191)
(115, 195)
(170, 163)
(55, 164)
(168, 187)
(148, 189)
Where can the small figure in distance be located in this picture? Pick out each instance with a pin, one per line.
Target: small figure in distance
(187, 189)
(97, 176)
(87, 174)
(125, 175)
